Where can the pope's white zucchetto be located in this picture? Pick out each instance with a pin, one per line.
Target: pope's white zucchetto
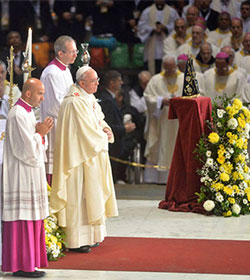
(82, 70)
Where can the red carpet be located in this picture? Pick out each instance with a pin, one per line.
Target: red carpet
(162, 255)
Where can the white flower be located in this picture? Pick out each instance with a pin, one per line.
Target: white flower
(219, 197)
(227, 155)
(247, 128)
(246, 176)
(209, 162)
(203, 179)
(220, 113)
(236, 209)
(231, 150)
(232, 123)
(208, 154)
(209, 205)
(245, 201)
(219, 124)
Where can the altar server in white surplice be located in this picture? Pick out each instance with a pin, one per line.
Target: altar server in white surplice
(82, 187)
(224, 79)
(57, 80)
(156, 22)
(24, 194)
(160, 132)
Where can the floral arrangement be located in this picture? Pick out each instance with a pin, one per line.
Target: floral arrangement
(225, 175)
(54, 236)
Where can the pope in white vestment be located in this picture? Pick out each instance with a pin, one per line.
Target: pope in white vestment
(82, 187)
(160, 132)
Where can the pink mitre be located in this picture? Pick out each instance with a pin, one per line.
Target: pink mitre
(222, 55)
(182, 57)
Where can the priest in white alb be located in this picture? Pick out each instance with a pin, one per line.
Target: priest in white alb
(224, 79)
(82, 191)
(160, 132)
(156, 22)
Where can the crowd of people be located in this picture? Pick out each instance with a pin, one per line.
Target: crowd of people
(83, 124)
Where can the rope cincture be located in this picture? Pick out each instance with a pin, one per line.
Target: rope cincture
(139, 164)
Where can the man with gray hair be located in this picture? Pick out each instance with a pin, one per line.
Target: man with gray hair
(82, 187)
(57, 80)
(160, 132)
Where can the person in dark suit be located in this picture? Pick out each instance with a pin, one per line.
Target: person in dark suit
(210, 15)
(14, 39)
(35, 14)
(72, 17)
(112, 85)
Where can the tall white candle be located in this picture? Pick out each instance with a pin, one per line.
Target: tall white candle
(30, 46)
(28, 53)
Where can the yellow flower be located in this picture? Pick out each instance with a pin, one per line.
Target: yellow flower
(241, 122)
(221, 159)
(229, 134)
(227, 214)
(236, 188)
(224, 177)
(59, 244)
(221, 152)
(246, 168)
(237, 103)
(240, 158)
(235, 175)
(217, 186)
(213, 137)
(231, 200)
(228, 190)
(53, 238)
(240, 143)
(227, 167)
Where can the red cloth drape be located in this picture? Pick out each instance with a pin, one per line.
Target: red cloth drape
(183, 181)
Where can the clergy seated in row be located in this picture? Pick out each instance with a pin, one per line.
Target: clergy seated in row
(204, 59)
(230, 51)
(242, 57)
(181, 63)
(161, 133)
(223, 31)
(193, 46)
(235, 40)
(4, 92)
(224, 79)
(191, 17)
(177, 38)
(156, 22)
